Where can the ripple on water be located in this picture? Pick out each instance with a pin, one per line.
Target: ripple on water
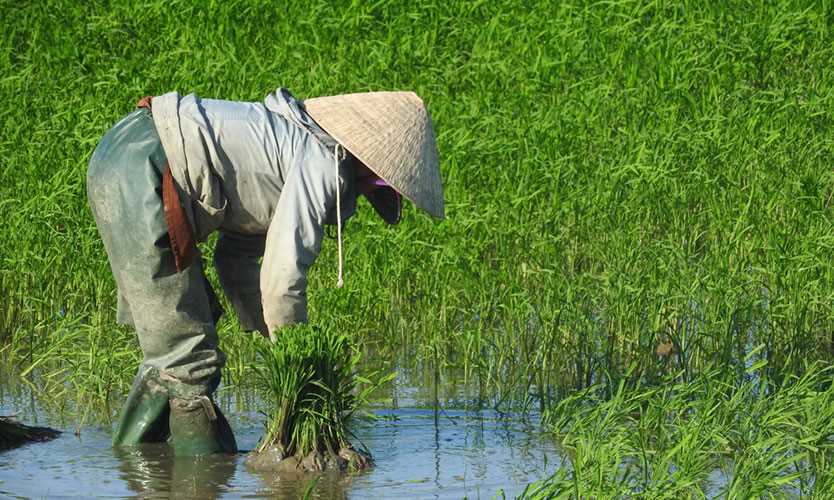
(418, 453)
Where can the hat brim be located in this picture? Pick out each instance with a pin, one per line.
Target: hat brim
(391, 133)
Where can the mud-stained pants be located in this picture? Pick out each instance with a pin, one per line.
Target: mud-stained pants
(174, 314)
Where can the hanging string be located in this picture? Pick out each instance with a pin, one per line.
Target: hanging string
(341, 281)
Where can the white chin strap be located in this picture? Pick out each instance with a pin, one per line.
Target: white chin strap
(341, 281)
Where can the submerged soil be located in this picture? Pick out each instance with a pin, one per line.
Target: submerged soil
(14, 434)
(275, 460)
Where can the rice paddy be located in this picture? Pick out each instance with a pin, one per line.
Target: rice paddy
(636, 255)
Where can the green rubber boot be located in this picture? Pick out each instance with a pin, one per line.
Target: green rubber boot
(144, 416)
(198, 427)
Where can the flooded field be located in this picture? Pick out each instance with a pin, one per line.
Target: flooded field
(632, 294)
(419, 452)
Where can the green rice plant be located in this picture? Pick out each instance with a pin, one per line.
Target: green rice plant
(618, 175)
(308, 376)
(667, 441)
(77, 368)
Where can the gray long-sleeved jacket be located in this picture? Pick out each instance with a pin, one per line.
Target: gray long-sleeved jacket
(265, 176)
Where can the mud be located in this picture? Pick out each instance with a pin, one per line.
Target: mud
(14, 434)
(275, 460)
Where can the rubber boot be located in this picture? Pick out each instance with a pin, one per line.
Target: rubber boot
(198, 427)
(144, 416)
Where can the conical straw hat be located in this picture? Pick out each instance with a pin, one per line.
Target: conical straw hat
(391, 133)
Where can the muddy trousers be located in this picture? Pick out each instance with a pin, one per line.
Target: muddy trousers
(174, 314)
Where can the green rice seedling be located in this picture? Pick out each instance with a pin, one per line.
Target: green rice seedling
(669, 440)
(308, 376)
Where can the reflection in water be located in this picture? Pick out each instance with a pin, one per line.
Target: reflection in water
(153, 470)
(437, 446)
(424, 447)
(329, 485)
(423, 453)
(436, 384)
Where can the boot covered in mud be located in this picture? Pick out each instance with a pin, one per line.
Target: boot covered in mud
(144, 416)
(198, 427)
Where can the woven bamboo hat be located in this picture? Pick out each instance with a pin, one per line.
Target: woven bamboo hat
(392, 134)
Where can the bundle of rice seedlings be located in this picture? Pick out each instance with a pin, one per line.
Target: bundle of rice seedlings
(13, 433)
(308, 377)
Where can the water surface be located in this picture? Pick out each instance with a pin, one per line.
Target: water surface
(420, 453)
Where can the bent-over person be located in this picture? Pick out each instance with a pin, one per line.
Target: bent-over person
(267, 177)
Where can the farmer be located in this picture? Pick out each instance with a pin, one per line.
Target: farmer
(267, 177)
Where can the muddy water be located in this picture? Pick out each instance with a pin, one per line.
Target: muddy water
(420, 453)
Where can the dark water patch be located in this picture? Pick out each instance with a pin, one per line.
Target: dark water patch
(14, 433)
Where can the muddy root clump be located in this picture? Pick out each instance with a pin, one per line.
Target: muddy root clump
(308, 376)
(275, 460)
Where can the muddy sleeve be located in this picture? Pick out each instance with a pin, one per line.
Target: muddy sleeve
(293, 242)
(237, 260)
